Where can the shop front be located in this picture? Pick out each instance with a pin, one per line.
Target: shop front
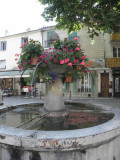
(116, 82)
(10, 82)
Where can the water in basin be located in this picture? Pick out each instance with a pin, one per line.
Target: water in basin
(79, 116)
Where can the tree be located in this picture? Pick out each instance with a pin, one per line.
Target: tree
(101, 15)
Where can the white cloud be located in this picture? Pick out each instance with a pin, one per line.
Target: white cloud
(18, 15)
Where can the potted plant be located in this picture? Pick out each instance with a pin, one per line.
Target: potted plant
(66, 57)
(66, 54)
(68, 78)
(30, 52)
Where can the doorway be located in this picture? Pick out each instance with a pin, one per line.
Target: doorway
(105, 84)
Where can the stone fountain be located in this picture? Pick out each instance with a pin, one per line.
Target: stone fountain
(95, 143)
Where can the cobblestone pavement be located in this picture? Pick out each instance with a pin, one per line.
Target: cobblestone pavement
(8, 101)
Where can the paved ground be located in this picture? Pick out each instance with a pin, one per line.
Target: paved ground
(16, 100)
(8, 101)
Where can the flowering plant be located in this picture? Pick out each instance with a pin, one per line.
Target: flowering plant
(67, 53)
(29, 50)
(48, 76)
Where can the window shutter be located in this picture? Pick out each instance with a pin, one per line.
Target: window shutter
(92, 82)
(72, 36)
(75, 86)
(48, 37)
(67, 86)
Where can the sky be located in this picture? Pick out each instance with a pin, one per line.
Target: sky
(17, 16)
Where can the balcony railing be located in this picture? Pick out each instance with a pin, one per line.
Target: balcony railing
(112, 62)
(115, 37)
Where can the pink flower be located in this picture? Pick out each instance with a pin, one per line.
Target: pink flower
(19, 67)
(75, 61)
(83, 57)
(62, 61)
(16, 54)
(30, 62)
(47, 61)
(59, 50)
(16, 59)
(77, 48)
(43, 56)
(86, 71)
(75, 39)
(24, 63)
(50, 57)
(66, 49)
(82, 63)
(69, 64)
(66, 60)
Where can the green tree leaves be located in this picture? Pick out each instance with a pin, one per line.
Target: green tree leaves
(101, 15)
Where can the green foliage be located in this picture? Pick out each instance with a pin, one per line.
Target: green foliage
(69, 54)
(98, 15)
(27, 80)
(30, 50)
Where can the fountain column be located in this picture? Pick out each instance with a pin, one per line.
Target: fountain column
(54, 98)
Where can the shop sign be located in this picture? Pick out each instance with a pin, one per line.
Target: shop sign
(95, 63)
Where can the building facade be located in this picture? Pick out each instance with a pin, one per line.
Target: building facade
(98, 82)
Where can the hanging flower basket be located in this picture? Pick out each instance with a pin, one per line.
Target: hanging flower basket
(29, 50)
(68, 79)
(34, 61)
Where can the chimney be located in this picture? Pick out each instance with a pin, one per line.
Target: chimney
(6, 32)
(28, 29)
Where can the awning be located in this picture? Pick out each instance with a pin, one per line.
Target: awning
(14, 74)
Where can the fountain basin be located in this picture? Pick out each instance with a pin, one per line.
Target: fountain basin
(99, 142)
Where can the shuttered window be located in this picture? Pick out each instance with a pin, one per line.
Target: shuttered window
(3, 45)
(72, 36)
(48, 37)
(116, 52)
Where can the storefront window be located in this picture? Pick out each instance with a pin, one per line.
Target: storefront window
(117, 84)
(84, 84)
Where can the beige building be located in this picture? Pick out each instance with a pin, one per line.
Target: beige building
(95, 83)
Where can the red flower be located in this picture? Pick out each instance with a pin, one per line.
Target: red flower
(62, 61)
(69, 64)
(77, 48)
(75, 39)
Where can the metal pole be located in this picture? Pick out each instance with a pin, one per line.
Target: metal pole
(70, 95)
(40, 94)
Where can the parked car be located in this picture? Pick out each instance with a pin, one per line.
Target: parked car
(1, 98)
